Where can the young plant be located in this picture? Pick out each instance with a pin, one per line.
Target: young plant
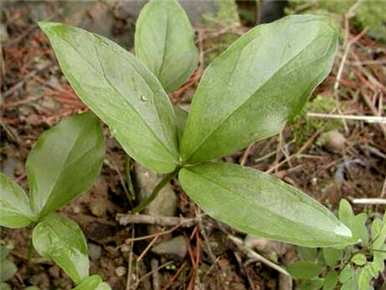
(246, 94)
(64, 162)
(349, 268)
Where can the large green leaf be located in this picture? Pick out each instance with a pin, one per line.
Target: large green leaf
(93, 282)
(15, 211)
(262, 80)
(164, 41)
(65, 162)
(60, 239)
(261, 205)
(121, 91)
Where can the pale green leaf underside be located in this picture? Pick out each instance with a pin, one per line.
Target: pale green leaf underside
(15, 210)
(65, 162)
(262, 80)
(93, 282)
(164, 42)
(121, 91)
(60, 239)
(261, 205)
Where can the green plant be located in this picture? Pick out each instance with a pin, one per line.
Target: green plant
(63, 163)
(350, 268)
(246, 94)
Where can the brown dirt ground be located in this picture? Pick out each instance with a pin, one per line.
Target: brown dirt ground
(36, 96)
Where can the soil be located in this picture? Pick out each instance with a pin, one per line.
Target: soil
(35, 96)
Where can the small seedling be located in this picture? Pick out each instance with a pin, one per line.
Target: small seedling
(247, 93)
(349, 268)
(64, 162)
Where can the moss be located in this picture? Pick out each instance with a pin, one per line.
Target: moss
(227, 14)
(215, 46)
(304, 127)
(369, 13)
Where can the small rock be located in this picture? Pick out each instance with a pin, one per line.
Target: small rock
(41, 280)
(165, 204)
(120, 271)
(54, 272)
(267, 247)
(94, 251)
(175, 247)
(333, 141)
(125, 248)
(98, 207)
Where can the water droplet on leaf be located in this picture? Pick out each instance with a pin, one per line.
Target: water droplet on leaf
(144, 99)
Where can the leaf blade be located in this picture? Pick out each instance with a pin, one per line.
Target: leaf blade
(222, 190)
(121, 91)
(164, 42)
(15, 209)
(262, 80)
(61, 239)
(65, 162)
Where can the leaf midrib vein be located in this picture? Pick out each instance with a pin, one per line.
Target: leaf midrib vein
(241, 196)
(113, 87)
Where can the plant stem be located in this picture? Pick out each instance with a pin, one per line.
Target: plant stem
(144, 203)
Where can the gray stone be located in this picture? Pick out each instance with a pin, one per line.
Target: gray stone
(175, 247)
(94, 251)
(165, 204)
(333, 141)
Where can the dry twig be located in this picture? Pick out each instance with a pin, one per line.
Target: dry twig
(125, 219)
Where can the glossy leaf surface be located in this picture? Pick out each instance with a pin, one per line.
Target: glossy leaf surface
(15, 210)
(164, 42)
(261, 205)
(65, 162)
(261, 81)
(60, 239)
(93, 282)
(121, 91)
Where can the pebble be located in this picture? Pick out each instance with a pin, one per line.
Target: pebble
(120, 271)
(94, 251)
(98, 207)
(333, 141)
(175, 247)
